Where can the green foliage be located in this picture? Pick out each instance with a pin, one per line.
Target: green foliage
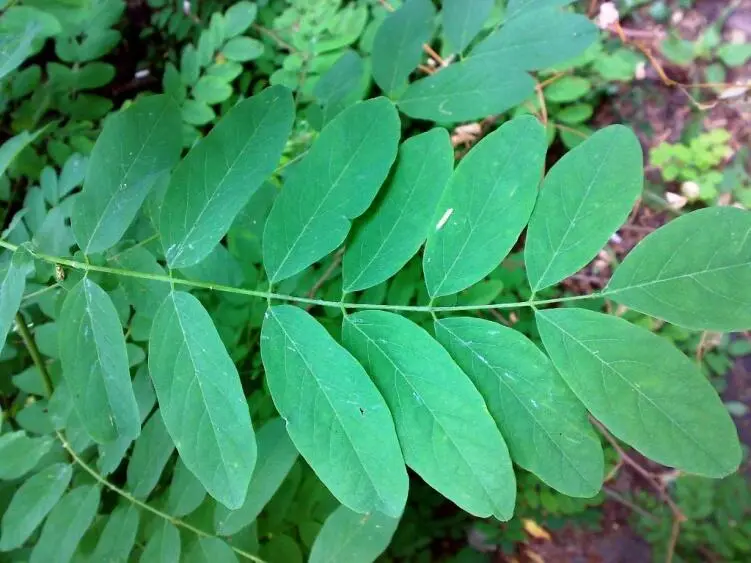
(283, 273)
(696, 164)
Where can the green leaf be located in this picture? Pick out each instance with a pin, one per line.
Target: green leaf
(119, 534)
(186, 492)
(544, 424)
(463, 20)
(386, 238)
(19, 454)
(211, 90)
(209, 550)
(201, 398)
(11, 148)
(194, 112)
(694, 272)
(95, 364)
(516, 7)
(397, 47)
(242, 49)
(112, 453)
(276, 456)
(66, 525)
(342, 85)
(734, 54)
(238, 18)
(497, 178)
(31, 503)
(444, 428)
(136, 146)
(467, 90)
(163, 545)
(643, 390)
(334, 414)
(151, 453)
(567, 89)
(218, 176)
(144, 295)
(538, 39)
(330, 187)
(19, 39)
(585, 197)
(349, 536)
(12, 286)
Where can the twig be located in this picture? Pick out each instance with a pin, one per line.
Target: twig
(36, 357)
(631, 462)
(275, 36)
(325, 275)
(617, 497)
(130, 498)
(674, 533)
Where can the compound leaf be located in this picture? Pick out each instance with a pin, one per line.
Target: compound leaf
(12, 285)
(386, 238)
(349, 536)
(31, 503)
(497, 179)
(330, 187)
(643, 390)
(463, 20)
(544, 424)
(218, 176)
(276, 456)
(11, 148)
(397, 46)
(201, 398)
(695, 271)
(66, 525)
(119, 534)
(585, 197)
(135, 147)
(334, 414)
(538, 39)
(95, 364)
(151, 453)
(163, 545)
(444, 428)
(471, 89)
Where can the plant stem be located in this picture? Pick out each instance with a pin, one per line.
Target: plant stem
(130, 498)
(36, 357)
(268, 295)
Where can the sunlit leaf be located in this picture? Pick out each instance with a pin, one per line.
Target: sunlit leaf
(349, 536)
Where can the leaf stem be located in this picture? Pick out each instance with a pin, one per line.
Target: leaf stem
(36, 357)
(268, 295)
(130, 498)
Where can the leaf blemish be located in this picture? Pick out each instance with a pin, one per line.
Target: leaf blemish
(444, 219)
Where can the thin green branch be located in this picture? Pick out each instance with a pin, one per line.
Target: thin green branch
(269, 295)
(36, 356)
(130, 498)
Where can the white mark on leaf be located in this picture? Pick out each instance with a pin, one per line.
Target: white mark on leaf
(444, 219)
